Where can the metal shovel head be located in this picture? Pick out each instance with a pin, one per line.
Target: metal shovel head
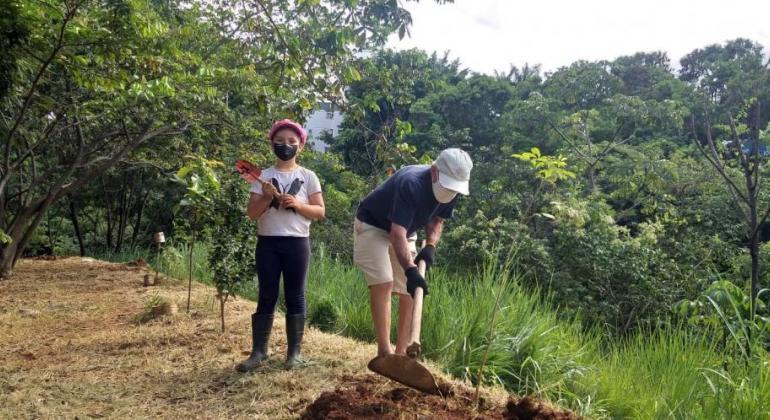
(405, 370)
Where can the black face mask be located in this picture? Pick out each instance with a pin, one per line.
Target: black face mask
(284, 151)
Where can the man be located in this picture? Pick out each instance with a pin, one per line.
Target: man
(415, 197)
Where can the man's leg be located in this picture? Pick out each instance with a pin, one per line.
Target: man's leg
(370, 254)
(379, 299)
(405, 304)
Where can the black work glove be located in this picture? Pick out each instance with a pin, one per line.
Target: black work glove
(414, 280)
(426, 254)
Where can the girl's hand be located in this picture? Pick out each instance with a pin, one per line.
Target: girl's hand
(289, 201)
(269, 189)
(248, 171)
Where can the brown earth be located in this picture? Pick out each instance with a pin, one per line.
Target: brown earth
(71, 346)
(365, 396)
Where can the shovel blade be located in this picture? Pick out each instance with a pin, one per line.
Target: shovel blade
(405, 370)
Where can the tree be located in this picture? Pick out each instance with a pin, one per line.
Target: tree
(201, 181)
(741, 165)
(13, 34)
(76, 111)
(592, 134)
(231, 258)
(381, 107)
(646, 75)
(729, 75)
(101, 82)
(728, 125)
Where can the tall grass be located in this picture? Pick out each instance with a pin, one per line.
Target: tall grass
(670, 372)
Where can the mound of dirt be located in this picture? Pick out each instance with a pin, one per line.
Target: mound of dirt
(369, 396)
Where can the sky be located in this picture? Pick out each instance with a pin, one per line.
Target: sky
(489, 35)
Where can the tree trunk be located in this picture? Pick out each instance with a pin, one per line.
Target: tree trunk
(76, 226)
(21, 232)
(22, 229)
(754, 250)
(222, 301)
(108, 214)
(138, 223)
(121, 223)
(49, 233)
(190, 268)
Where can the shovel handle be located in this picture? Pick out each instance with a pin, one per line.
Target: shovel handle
(417, 307)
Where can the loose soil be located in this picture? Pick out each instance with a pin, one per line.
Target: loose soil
(366, 396)
(71, 346)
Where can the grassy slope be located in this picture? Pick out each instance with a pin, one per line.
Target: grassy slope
(667, 373)
(80, 353)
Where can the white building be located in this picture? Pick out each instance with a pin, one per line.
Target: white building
(324, 119)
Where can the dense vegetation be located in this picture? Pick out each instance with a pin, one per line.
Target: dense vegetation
(624, 197)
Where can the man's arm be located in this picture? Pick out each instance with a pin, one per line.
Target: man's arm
(401, 245)
(433, 230)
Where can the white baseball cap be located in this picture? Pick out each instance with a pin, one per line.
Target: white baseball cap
(454, 167)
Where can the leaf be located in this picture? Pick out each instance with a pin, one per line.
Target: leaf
(4, 238)
(352, 74)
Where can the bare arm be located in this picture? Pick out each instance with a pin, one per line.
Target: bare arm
(314, 209)
(257, 205)
(401, 245)
(433, 230)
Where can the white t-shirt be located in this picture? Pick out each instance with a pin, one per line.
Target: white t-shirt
(275, 221)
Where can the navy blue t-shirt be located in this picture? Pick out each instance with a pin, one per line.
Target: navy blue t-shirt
(407, 199)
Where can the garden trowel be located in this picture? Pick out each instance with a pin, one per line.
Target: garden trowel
(406, 369)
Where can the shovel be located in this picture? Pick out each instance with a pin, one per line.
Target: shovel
(406, 369)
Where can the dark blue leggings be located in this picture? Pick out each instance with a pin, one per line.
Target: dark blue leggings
(285, 255)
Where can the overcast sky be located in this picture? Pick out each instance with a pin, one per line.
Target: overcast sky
(489, 35)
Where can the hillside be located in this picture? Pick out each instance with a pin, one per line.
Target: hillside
(73, 347)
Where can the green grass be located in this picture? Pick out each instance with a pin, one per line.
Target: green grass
(671, 372)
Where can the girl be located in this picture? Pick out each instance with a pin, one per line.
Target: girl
(284, 202)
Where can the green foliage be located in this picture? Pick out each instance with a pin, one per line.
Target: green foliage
(231, 255)
(640, 226)
(112, 96)
(342, 190)
(378, 131)
(673, 373)
(651, 373)
(13, 35)
(667, 371)
(620, 280)
(324, 316)
(199, 177)
(548, 168)
(145, 83)
(725, 306)
(4, 238)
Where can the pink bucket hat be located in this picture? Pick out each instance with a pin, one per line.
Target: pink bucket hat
(287, 123)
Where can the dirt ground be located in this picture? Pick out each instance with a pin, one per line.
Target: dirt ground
(365, 396)
(71, 347)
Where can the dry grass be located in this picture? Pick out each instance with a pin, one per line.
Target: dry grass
(71, 347)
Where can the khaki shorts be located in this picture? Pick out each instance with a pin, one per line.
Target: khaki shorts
(373, 254)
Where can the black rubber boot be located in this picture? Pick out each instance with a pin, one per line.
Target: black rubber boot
(295, 327)
(260, 335)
